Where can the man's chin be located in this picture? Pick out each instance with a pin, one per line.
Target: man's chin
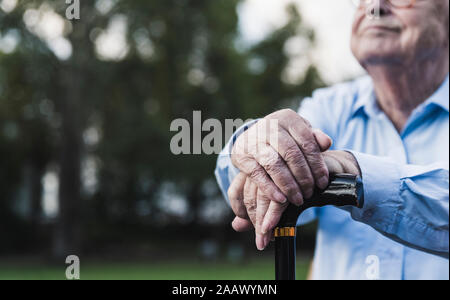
(379, 55)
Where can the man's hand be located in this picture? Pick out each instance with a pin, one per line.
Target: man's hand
(281, 154)
(254, 210)
(251, 206)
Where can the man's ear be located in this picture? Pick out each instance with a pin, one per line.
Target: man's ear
(324, 141)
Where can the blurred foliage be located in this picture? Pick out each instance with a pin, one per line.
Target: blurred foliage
(181, 56)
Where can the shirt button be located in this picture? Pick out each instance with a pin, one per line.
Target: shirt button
(368, 214)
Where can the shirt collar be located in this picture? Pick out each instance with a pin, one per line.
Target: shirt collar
(440, 97)
(366, 98)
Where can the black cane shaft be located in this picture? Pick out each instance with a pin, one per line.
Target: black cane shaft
(285, 262)
(343, 190)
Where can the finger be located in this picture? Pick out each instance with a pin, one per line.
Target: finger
(250, 193)
(262, 204)
(302, 133)
(269, 237)
(277, 169)
(241, 225)
(236, 195)
(273, 216)
(333, 162)
(324, 141)
(293, 156)
(248, 165)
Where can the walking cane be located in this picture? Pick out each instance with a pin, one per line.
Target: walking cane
(343, 190)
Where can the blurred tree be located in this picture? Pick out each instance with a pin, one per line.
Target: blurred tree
(132, 67)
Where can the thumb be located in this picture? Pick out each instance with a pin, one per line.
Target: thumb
(241, 225)
(322, 139)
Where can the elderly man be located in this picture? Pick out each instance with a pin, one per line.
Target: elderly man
(391, 128)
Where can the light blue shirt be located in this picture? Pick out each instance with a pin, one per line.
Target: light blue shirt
(402, 230)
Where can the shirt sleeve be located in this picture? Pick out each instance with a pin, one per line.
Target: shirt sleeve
(225, 170)
(407, 203)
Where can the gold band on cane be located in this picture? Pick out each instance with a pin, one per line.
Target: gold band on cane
(284, 231)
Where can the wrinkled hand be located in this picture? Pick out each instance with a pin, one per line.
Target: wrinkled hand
(251, 207)
(254, 210)
(281, 154)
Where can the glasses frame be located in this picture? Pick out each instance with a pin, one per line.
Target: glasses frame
(411, 4)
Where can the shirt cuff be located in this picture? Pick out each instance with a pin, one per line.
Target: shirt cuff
(225, 170)
(381, 181)
(229, 147)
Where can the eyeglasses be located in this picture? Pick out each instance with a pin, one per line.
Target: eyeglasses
(394, 3)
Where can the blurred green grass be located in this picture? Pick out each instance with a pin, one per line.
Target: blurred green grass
(256, 269)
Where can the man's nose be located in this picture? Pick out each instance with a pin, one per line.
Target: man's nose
(379, 8)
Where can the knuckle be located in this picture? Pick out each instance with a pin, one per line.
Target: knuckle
(241, 161)
(292, 154)
(310, 147)
(249, 202)
(269, 160)
(274, 169)
(251, 208)
(256, 175)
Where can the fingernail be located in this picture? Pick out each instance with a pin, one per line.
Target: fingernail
(298, 199)
(260, 242)
(323, 183)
